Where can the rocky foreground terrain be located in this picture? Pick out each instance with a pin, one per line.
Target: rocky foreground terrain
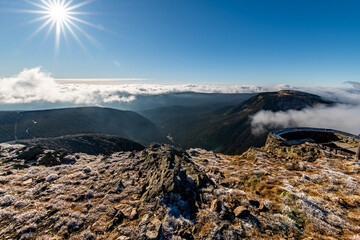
(305, 191)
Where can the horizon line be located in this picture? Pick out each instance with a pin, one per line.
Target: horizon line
(98, 79)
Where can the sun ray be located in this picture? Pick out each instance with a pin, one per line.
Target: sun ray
(82, 31)
(68, 3)
(63, 30)
(46, 3)
(39, 19)
(74, 35)
(33, 11)
(78, 13)
(84, 22)
(41, 28)
(57, 38)
(38, 5)
(79, 5)
(51, 27)
(59, 17)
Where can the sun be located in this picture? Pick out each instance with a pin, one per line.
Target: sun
(59, 13)
(60, 16)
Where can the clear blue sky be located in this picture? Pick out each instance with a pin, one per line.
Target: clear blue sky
(262, 42)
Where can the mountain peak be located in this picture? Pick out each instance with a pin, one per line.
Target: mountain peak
(280, 101)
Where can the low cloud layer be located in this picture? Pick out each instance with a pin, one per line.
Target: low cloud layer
(340, 117)
(341, 95)
(34, 85)
(354, 84)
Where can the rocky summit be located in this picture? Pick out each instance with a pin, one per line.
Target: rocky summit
(283, 190)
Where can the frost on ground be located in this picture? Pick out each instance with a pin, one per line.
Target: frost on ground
(275, 192)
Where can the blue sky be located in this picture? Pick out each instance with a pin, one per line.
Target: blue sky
(297, 42)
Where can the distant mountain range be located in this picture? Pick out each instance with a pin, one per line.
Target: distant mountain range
(226, 129)
(221, 123)
(145, 101)
(60, 122)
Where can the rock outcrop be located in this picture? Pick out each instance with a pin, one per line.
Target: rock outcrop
(173, 177)
(92, 144)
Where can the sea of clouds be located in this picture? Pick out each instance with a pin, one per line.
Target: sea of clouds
(36, 86)
(33, 85)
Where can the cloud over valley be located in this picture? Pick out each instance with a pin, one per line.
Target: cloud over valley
(340, 117)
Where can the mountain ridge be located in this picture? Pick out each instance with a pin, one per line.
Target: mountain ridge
(59, 122)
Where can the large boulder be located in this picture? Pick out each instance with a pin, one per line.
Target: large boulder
(172, 178)
(30, 153)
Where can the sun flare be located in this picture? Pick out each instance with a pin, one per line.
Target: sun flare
(58, 13)
(61, 16)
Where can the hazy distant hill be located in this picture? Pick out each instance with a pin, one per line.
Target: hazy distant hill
(60, 122)
(161, 116)
(145, 101)
(228, 128)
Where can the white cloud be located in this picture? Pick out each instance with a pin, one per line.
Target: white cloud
(28, 86)
(35, 85)
(354, 84)
(343, 95)
(340, 117)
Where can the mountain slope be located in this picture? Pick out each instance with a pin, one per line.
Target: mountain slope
(228, 129)
(60, 122)
(190, 104)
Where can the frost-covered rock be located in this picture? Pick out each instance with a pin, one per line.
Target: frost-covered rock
(52, 177)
